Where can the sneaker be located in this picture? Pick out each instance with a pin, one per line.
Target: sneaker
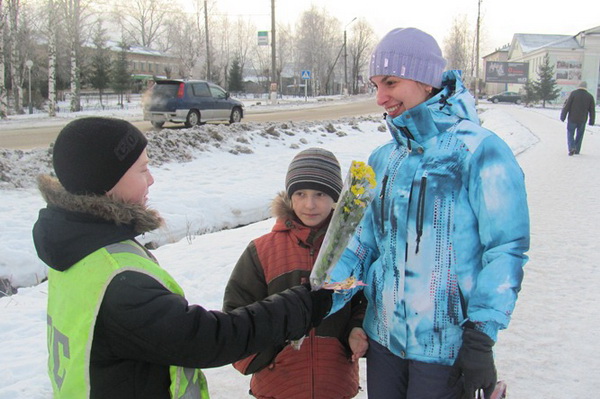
(571, 152)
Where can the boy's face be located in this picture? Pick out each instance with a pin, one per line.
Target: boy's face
(397, 95)
(133, 186)
(311, 206)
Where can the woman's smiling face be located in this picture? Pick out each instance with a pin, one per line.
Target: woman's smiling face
(397, 95)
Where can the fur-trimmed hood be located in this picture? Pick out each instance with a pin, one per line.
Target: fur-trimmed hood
(281, 207)
(73, 226)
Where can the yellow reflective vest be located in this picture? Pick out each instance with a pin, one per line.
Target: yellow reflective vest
(74, 299)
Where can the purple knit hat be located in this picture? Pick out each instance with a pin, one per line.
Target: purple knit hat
(409, 53)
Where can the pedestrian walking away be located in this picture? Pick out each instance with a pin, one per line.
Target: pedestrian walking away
(577, 109)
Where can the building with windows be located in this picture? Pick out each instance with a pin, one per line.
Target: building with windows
(574, 58)
(145, 64)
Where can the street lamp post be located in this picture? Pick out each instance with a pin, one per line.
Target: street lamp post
(346, 59)
(29, 64)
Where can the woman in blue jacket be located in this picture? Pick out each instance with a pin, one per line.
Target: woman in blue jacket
(442, 246)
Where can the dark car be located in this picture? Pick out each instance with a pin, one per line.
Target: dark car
(191, 102)
(506, 97)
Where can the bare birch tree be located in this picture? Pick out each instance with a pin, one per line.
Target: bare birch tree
(319, 40)
(3, 90)
(458, 47)
(143, 22)
(52, 37)
(244, 39)
(360, 44)
(14, 64)
(185, 43)
(72, 16)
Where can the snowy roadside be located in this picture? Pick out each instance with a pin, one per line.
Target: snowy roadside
(132, 110)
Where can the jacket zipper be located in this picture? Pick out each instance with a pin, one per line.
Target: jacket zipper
(421, 210)
(382, 198)
(409, 137)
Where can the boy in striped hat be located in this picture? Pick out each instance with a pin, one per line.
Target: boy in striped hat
(326, 364)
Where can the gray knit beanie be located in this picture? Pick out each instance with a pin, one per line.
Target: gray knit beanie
(409, 53)
(314, 169)
(91, 154)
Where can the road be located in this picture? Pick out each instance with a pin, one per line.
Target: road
(24, 137)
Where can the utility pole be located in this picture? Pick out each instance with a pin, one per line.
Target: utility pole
(477, 54)
(345, 91)
(273, 87)
(207, 41)
(29, 64)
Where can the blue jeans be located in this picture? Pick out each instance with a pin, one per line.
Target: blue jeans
(574, 142)
(391, 377)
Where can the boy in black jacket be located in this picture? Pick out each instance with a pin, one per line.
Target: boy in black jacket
(118, 324)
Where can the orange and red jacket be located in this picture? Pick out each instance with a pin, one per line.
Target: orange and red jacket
(321, 368)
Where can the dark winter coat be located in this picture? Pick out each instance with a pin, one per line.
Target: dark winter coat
(142, 328)
(578, 106)
(283, 258)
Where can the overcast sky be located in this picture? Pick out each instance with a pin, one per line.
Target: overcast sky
(499, 19)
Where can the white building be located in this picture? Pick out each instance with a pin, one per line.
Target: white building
(574, 58)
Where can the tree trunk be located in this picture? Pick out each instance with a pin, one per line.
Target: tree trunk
(51, 59)
(3, 97)
(75, 29)
(75, 87)
(16, 80)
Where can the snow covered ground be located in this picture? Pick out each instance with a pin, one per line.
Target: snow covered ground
(219, 177)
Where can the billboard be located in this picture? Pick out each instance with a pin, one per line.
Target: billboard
(506, 72)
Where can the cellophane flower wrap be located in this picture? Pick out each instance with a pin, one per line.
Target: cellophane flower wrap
(356, 194)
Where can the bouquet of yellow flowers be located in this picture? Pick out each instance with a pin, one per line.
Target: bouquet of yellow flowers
(356, 195)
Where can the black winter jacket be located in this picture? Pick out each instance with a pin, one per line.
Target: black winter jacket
(142, 328)
(578, 106)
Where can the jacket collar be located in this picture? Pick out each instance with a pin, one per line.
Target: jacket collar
(419, 125)
(73, 226)
(139, 217)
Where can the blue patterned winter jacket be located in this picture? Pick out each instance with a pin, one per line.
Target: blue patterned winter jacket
(445, 237)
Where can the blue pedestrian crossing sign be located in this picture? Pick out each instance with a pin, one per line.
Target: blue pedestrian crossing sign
(305, 74)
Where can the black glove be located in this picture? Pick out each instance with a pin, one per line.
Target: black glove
(321, 304)
(475, 364)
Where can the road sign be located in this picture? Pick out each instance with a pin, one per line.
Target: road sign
(305, 74)
(263, 38)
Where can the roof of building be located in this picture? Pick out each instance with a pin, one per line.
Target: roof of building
(534, 41)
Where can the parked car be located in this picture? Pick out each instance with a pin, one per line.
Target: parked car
(506, 97)
(191, 102)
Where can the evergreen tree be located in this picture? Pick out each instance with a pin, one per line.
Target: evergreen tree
(236, 84)
(530, 95)
(545, 87)
(101, 62)
(121, 78)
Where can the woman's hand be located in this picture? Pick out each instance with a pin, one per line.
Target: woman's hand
(358, 343)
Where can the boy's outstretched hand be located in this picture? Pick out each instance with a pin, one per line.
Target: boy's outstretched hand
(358, 343)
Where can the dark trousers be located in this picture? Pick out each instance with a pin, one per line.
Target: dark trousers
(574, 141)
(391, 377)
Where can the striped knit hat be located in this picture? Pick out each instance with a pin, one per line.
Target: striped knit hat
(315, 169)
